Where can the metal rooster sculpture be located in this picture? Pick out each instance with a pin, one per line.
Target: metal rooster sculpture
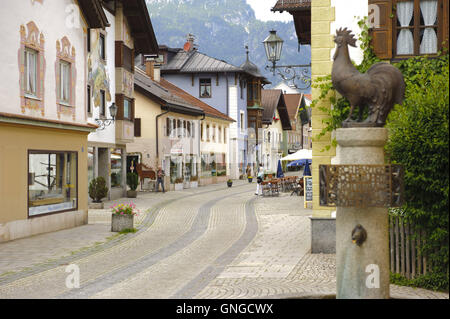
(379, 89)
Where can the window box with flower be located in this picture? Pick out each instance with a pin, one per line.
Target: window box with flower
(123, 217)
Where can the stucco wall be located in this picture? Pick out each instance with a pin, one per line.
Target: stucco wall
(54, 23)
(15, 141)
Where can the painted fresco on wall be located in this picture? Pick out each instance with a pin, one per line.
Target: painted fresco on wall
(31, 90)
(98, 77)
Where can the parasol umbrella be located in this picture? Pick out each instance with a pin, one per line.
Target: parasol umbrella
(280, 173)
(307, 170)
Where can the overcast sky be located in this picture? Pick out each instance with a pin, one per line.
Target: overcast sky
(262, 11)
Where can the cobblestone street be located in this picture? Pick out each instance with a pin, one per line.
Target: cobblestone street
(208, 242)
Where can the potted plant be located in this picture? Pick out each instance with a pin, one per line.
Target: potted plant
(250, 179)
(122, 217)
(179, 184)
(230, 183)
(194, 181)
(132, 182)
(97, 191)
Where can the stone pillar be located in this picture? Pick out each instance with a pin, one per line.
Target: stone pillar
(362, 272)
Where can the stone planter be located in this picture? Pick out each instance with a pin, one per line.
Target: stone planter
(194, 184)
(179, 186)
(131, 194)
(121, 222)
(96, 205)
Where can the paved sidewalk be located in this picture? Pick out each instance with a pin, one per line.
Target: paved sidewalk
(209, 242)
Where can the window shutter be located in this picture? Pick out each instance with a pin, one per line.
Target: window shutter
(382, 33)
(132, 109)
(445, 23)
(137, 127)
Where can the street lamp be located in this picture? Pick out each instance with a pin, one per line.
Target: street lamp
(103, 123)
(273, 45)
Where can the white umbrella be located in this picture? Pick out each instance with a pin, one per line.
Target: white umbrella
(302, 154)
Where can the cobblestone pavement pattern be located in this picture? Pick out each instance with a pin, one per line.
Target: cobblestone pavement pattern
(209, 242)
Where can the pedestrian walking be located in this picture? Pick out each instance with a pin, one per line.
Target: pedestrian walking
(259, 179)
(160, 179)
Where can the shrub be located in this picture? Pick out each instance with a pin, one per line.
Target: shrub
(132, 180)
(419, 140)
(98, 189)
(124, 209)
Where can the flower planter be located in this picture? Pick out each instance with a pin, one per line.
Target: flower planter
(230, 184)
(131, 193)
(121, 222)
(250, 179)
(179, 186)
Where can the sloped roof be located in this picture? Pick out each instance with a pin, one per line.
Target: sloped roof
(209, 110)
(292, 5)
(271, 100)
(154, 90)
(292, 104)
(94, 14)
(141, 26)
(196, 62)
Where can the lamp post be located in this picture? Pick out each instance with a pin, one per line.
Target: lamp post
(103, 123)
(273, 45)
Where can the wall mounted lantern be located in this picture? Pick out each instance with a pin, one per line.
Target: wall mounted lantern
(103, 123)
(273, 45)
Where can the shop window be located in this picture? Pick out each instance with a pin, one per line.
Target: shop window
(116, 167)
(52, 182)
(205, 88)
(221, 165)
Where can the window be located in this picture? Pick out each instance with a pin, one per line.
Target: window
(88, 40)
(242, 122)
(188, 129)
(88, 103)
(220, 135)
(30, 71)
(205, 88)
(201, 132)
(102, 47)
(417, 27)
(192, 129)
(409, 27)
(208, 135)
(179, 128)
(126, 109)
(102, 103)
(52, 182)
(64, 84)
(168, 124)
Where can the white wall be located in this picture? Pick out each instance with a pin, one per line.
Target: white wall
(348, 13)
(108, 134)
(52, 20)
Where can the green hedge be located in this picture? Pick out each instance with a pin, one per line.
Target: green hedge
(419, 140)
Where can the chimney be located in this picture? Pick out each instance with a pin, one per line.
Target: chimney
(189, 45)
(157, 72)
(150, 67)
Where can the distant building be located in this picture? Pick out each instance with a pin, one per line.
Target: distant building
(275, 121)
(229, 89)
(286, 88)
